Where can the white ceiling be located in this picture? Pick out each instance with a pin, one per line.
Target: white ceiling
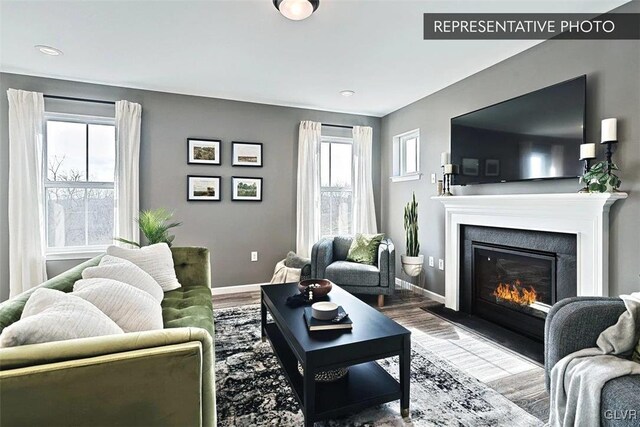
(245, 50)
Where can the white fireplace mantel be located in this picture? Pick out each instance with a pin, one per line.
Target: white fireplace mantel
(583, 214)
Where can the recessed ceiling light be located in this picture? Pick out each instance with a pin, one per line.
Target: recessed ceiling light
(347, 93)
(48, 50)
(296, 10)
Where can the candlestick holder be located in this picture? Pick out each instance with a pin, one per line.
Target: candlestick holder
(447, 179)
(609, 153)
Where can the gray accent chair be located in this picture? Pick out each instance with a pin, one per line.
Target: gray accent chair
(329, 261)
(575, 323)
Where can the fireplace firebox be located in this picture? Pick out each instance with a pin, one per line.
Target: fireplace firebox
(513, 287)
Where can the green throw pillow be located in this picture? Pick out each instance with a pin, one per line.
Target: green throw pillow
(364, 248)
(636, 353)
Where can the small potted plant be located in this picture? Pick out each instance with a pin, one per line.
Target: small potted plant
(412, 261)
(601, 179)
(155, 227)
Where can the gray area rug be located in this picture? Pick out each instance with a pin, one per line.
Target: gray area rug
(252, 390)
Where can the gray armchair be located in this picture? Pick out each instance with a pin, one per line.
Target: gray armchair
(328, 261)
(575, 323)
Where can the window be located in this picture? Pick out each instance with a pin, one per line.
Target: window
(80, 154)
(406, 156)
(335, 185)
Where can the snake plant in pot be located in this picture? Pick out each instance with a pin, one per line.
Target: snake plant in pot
(412, 261)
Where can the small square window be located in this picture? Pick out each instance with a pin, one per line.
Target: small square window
(406, 156)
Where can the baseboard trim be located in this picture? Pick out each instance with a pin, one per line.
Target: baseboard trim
(224, 290)
(403, 284)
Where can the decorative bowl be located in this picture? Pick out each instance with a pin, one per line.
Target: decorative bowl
(318, 292)
(324, 310)
(327, 376)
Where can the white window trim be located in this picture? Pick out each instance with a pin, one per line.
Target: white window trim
(398, 157)
(72, 252)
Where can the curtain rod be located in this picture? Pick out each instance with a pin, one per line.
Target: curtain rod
(337, 126)
(69, 98)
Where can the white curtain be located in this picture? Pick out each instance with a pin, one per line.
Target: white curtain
(127, 192)
(27, 264)
(308, 194)
(364, 212)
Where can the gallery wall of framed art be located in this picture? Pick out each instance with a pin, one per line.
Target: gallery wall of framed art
(208, 151)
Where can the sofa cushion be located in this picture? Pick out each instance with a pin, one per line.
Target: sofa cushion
(188, 306)
(294, 260)
(133, 309)
(353, 274)
(618, 397)
(341, 245)
(636, 353)
(126, 272)
(11, 309)
(364, 248)
(154, 259)
(52, 315)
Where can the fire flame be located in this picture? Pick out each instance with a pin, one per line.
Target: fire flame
(515, 293)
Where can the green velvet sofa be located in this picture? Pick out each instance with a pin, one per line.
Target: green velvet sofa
(152, 378)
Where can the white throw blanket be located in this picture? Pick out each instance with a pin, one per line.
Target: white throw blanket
(577, 379)
(284, 274)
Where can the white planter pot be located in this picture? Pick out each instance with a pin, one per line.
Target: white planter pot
(412, 265)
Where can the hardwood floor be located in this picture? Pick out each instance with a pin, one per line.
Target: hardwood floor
(515, 377)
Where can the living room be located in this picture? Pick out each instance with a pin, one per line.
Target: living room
(467, 201)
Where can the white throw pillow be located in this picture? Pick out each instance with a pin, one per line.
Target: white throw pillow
(155, 260)
(132, 309)
(126, 272)
(51, 315)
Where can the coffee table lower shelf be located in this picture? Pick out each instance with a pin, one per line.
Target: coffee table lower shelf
(366, 384)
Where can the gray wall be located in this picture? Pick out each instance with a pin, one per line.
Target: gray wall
(230, 229)
(612, 69)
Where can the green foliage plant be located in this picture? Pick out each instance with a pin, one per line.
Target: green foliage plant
(154, 225)
(600, 178)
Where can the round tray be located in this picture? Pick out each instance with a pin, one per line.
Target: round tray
(322, 291)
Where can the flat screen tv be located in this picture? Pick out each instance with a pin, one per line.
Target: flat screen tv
(532, 137)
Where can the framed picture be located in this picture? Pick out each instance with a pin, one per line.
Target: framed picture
(203, 151)
(470, 167)
(246, 154)
(203, 188)
(492, 167)
(245, 188)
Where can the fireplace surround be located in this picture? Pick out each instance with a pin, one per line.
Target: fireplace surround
(584, 215)
(512, 277)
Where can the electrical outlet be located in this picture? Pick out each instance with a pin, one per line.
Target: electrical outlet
(431, 262)
(433, 178)
(441, 264)
(254, 256)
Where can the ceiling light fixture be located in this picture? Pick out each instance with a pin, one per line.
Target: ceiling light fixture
(48, 50)
(296, 10)
(347, 93)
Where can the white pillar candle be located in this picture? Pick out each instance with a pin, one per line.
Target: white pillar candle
(448, 168)
(587, 151)
(609, 130)
(444, 158)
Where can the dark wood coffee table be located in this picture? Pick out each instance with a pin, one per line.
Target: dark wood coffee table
(374, 337)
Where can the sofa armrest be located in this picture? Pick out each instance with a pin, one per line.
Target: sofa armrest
(153, 386)
(387, 263)
(574, 324)
(192, 265)
(36, 360)
(321, 257)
